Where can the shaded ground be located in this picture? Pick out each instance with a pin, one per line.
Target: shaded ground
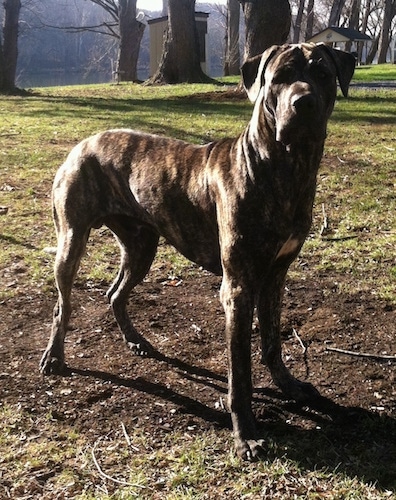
(185, 387)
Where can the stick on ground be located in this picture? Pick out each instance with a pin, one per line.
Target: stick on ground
(382, 357)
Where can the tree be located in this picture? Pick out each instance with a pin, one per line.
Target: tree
(9, 45)
(267, 22)
(389, 14)
(374, 17)
(2, 69)
(353, 23)
(180, 60)
(365, 20)
(298, 21)
(335, 13)
(126, 28)
(165, 7)
(310, 19)
(131, 33)
(304, 20)
(232, 57)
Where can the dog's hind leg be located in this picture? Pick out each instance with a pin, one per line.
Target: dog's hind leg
(269, 311)
(71, 247)
(138, 244)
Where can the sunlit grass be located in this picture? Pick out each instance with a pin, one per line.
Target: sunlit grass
(356, 183)
(182, 466)
(375, 72)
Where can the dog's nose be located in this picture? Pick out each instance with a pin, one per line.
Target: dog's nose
(304, 103)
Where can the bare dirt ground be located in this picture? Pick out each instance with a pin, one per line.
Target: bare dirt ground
(184, 387)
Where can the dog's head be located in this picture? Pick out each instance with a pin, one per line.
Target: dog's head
(295, 87)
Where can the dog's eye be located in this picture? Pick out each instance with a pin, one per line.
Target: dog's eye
(322, 74)
(320, 71)
(285, 75)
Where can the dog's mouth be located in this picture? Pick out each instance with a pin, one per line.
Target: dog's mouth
(296, 116)
(295, 132)
(293, 126)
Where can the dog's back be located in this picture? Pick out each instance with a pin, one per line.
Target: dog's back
(167, 184)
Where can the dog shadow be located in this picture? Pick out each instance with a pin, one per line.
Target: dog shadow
(326, 435)
(189, 405)
(322, 435)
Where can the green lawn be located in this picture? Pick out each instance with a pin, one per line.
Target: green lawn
(375, 73)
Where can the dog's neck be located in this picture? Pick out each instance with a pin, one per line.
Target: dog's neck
(271, 163)
(303, 156)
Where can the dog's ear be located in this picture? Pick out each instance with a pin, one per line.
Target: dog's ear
(345, 64)
(253, 72)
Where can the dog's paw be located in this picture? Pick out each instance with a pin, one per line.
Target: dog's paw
(141, 348)
(251, 450)
(52, 365)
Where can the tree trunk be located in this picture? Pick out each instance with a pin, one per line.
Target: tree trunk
(180, 60)
(310, 19)
(353, 20)
(2, 69)
(298, 22)
(232, 61)
(335, 13)
(389, 12)
(366, 15)
(373, 50)
(131, 33)
(267, 23)
(9, 47)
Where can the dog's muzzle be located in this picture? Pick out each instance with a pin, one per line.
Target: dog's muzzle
(298, 115)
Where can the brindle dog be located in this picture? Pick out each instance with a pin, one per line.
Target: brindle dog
(240, 208)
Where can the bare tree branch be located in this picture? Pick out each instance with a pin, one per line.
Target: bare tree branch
(109, 6)
(94, 29)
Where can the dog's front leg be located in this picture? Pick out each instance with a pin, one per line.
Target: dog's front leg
(269, 312)
(238, 306)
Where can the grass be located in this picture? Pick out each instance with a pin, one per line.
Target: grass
(183, 466)
(38, 132)
(356, 192)
(375, 73)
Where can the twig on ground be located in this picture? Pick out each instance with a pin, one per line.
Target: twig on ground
(304, 347)
(325, 225)
(106, 476)
(128, 439)
(341, 238)
(382, 357)
(324, 230)
(305, 351)
(10, 134)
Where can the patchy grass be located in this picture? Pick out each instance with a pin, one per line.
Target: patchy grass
(132, 464)
(375, 73)
(39, 131)
(356, 195)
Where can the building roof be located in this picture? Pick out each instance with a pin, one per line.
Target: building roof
(198, 15)
(337, 34)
